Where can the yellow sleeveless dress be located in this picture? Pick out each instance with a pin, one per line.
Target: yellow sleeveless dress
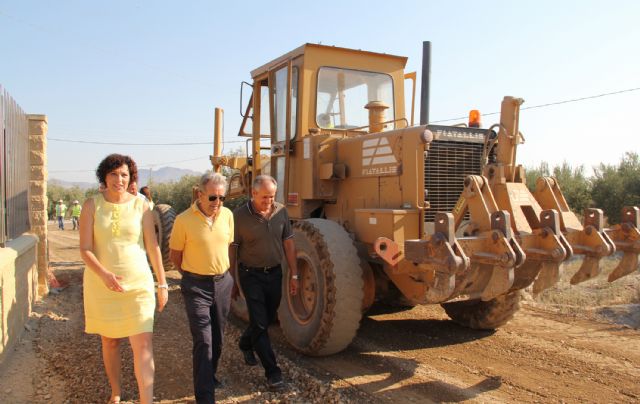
(118, 245)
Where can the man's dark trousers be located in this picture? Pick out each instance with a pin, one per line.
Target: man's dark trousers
(207, 302)
(262, 291)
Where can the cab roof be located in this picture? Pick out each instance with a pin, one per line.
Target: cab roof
(309, 47)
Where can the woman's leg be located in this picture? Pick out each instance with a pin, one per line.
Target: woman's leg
(144, 368)
(112, 363)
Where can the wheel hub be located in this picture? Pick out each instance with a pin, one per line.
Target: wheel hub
(304, 303)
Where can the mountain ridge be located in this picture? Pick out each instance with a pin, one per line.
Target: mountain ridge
(158, 176)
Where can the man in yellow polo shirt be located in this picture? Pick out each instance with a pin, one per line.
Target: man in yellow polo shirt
(200, 249)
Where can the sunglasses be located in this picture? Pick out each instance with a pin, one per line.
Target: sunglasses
(216, 197)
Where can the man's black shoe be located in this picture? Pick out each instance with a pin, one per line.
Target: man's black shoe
(249, 358)
(217, 384)
(275, 383)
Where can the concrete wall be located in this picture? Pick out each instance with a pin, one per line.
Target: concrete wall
(24, 261)
(18, 289)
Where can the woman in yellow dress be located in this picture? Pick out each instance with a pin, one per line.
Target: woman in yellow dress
(119, 301)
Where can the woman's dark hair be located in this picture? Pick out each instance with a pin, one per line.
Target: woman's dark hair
(146, 192)
(114, 161)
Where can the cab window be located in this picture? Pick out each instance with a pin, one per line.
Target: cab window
(280, 103)
(343, 93)
(247, 123)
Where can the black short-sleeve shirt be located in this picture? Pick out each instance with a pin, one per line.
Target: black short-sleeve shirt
(259, 240)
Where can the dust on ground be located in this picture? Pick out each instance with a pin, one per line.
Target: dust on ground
(561, 347)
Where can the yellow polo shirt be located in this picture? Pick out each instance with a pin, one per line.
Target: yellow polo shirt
(204, 245)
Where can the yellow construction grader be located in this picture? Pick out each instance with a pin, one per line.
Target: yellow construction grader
(383, 208)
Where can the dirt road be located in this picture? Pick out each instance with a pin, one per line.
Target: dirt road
(416, 355)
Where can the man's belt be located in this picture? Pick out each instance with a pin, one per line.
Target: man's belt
(215, 278)
(266, 270)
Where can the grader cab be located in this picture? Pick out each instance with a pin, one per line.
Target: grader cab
(385, 209)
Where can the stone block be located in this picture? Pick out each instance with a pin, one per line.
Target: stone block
(38, 203)
(38, 218)
(37, 157)
(37, 124)
(38, 188)
(37, 143)
(37, 174)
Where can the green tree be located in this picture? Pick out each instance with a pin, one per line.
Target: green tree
(68, 195)
(533, 173)
(175, 193)
(91, 193)
(574, 184)
(616, 186)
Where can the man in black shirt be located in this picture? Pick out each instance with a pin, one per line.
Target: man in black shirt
(263, 237)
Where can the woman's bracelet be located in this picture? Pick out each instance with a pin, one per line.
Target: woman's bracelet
(163, 286)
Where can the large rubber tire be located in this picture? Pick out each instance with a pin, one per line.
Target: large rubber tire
(487, 315)
(163, 218)
(324, 316)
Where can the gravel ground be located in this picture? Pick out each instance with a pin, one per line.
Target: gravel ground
(72, 366)
(556, 349)
(65, 364)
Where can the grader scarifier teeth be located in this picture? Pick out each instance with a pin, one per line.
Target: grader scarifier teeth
(439, 253)
(590, 238)
(546, 248)
(593, 243)
(626, 238)
(497, 250)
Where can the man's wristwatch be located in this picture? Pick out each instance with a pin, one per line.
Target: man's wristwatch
(296, 277)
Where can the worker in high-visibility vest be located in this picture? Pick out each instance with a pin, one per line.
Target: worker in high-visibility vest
(61, 209)
(75, 214)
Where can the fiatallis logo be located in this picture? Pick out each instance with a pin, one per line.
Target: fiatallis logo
(377, 157)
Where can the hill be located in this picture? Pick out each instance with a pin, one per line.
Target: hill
(164, 174)
(161, 175)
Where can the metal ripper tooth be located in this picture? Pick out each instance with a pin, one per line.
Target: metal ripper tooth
(590, 268)
(626, 238)
(627, 265)
(548, 276)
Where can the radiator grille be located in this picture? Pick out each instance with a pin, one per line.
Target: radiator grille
(446, 165)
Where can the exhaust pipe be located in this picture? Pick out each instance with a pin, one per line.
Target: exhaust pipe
(426, 81)
(217, 136)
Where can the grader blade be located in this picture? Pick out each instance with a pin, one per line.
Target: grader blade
(441, 288)
(626, 238)
(499, 283)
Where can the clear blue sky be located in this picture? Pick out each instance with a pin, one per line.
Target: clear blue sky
(153, 71)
